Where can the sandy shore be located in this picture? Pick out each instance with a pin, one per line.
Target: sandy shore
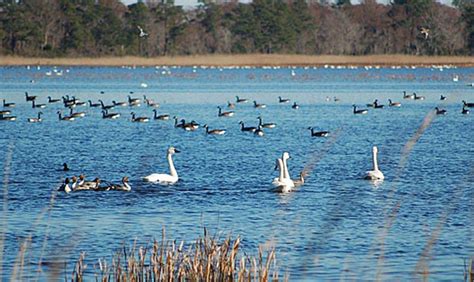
(244, 60)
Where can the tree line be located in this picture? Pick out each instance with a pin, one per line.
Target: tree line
(52, 28)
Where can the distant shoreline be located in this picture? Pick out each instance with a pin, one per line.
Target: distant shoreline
(244, 60)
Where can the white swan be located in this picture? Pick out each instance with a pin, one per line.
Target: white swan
(162, 178)
(374, 174)
(282, 184)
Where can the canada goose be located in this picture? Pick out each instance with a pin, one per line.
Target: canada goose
(393, 104)
(38, 119)
(318, 133)
(469, 105)
(442, 98)
(165, 179)
(376, 104)
(8, 105)
(295, 106)
(39, 106)
(214, 131)
(151, 104)
(139, 119)
(77, 102)
(65, 118)
(5, 112)
(119, 104)
(65, 167)
(7, 118)
(408, 96)
(29, 98)
(94, 105)
(224, 114)
(190, 126)
(258, 106)
(230, 105)
(69, 103)
(160, 117)
(359, 112)
(50, 100)
(240, 100)
(416, 97)
(281, 100)
(440, 111)
(176, 124)
(104, 107)
(265, 125)
(133, 101)
(374, 174)
(76, 115)
(336, 99)
(243, 128)
(465, 111)
(259, 131)
(107, 115)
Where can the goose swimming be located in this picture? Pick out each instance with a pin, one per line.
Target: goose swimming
(39, 106)
(442, 98)
(374, 174)
(295, 106)
(259, 131)
(7, 118)
(160, 117)
(76, 115)
(359, 112)
(265, 125)
(224, 114)
(393, 104)
(8, 105)
(133, 101)
(243, 128)
(107, 115)
(259, 106)
(65, 118)
(465, 111)
(38, 119)
(119, 104)
(50, 100)
(214, 131)
(408, 96)
(165, 179)
(240, 100)
(281, 100)
(105, 107)
(94, 105)
(29, 98)
(230, 105)
(416, 97)
(318, 133)
(440, 111)
(139, 119)
(469, 105)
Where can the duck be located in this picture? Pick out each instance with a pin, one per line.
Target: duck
(240, 100)
(469, 105)
(73, 183)
(416, 97)
(443, 98)
(295, 106)
(122, 187)
(440, 111)
(29, 98)
(374, 174)
(105, 107)
(160, 117)
(39, 106)
(359, 112)
(259, 131)
(393, 104)
(281, 100)
(258, 106)
(408, 96)
(93, 105)
(139, 119)
(76, 115)
(230, 105)
(165, 179)
(38, 119)
(51, 100)
(250, 129)
(281, 184)
(65, 118)
(318, 133)
(87, 185)
(65, 167)
(107, 115)
(465, 111)
(8, 105)
(224, 114)
(265, 125)
(150, 102)
(65, 186)
(133, 101)
(214, 131)
(119, 104)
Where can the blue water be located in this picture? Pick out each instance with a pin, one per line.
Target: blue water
(331, 228)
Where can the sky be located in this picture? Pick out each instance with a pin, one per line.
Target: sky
(187, 3)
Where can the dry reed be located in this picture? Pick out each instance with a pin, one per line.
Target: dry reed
(245, 60)
(207, 259)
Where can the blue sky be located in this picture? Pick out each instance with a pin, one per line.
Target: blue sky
(194, 2)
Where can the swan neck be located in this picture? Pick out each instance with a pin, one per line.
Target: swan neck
(281, 175)
(374, 160)
(286, 174)
(172, 169)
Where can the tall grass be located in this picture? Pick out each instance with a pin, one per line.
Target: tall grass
(207, 259)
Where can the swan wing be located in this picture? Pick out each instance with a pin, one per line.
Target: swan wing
(161, 178)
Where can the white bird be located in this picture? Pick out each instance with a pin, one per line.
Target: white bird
(65, 186)
(280, 184)
(425, 31)
(142, 32)
(165, 179)
(374, 174)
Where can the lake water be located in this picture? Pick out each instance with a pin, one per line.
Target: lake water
(331, 228)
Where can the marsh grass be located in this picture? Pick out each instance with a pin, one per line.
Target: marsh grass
(207, 259)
